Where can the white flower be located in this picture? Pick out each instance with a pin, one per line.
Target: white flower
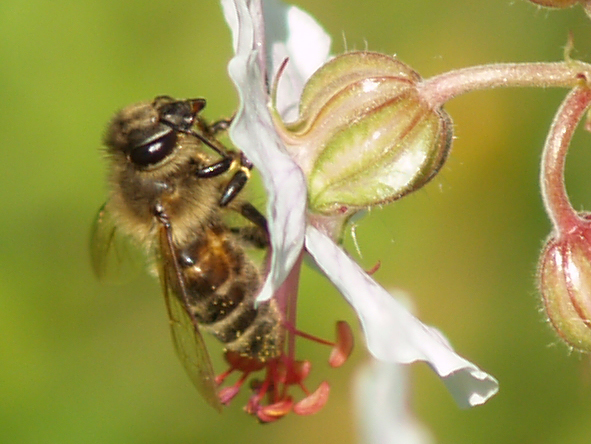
(264, 35)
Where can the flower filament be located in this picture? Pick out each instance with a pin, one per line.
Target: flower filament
(271, 399)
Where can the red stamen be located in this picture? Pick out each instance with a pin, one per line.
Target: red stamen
(300, 371)
(314, 402)
(273, 412)
(289, 327)
(219, 379)
(375, 268)
(271, 399)
(228, 393)
(344, 346)
(253, 405)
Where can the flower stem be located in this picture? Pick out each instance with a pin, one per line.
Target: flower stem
(556, 201)
(286, 297)
(437, 90)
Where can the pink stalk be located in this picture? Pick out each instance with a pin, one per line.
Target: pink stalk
(287, 296)
(558, 206)
(437, 90)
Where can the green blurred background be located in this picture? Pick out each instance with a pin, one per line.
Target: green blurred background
(83, 362)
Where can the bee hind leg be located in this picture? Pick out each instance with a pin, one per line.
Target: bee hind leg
(258, 234)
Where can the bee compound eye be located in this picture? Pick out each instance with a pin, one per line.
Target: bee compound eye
(154, 151)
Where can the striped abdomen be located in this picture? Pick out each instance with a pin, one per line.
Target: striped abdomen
(221, 284)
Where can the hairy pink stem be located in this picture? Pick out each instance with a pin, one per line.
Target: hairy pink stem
(287, 296)
(556, 201)
(437, 90)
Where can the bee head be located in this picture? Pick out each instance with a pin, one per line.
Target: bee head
(146, 133)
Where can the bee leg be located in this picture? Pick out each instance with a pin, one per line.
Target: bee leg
(161, 216)
(252, 236)
(214, 128)
(252, 214)
(257, 235)
(220, 125)
(237, 181)
(235, 185)
(215, 169)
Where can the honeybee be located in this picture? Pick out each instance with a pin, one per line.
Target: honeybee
(171, 184)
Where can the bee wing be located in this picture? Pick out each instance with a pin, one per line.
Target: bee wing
(186, 336)
(113, 255)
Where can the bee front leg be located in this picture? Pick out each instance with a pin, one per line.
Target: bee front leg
(237, 181)
(214, 128)
(221, 125)
(235, 185)
(215, 169)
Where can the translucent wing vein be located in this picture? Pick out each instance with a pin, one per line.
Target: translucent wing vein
(186, 336)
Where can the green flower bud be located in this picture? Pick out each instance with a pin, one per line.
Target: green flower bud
(364, 136)
(564, 275)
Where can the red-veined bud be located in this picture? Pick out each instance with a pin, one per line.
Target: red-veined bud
(565, 282)
(364, 136)
(556, 3)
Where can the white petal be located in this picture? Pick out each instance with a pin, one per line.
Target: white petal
(231, 15)
(391, 332)
(381, 404)
(252, 131)
(293, 34)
